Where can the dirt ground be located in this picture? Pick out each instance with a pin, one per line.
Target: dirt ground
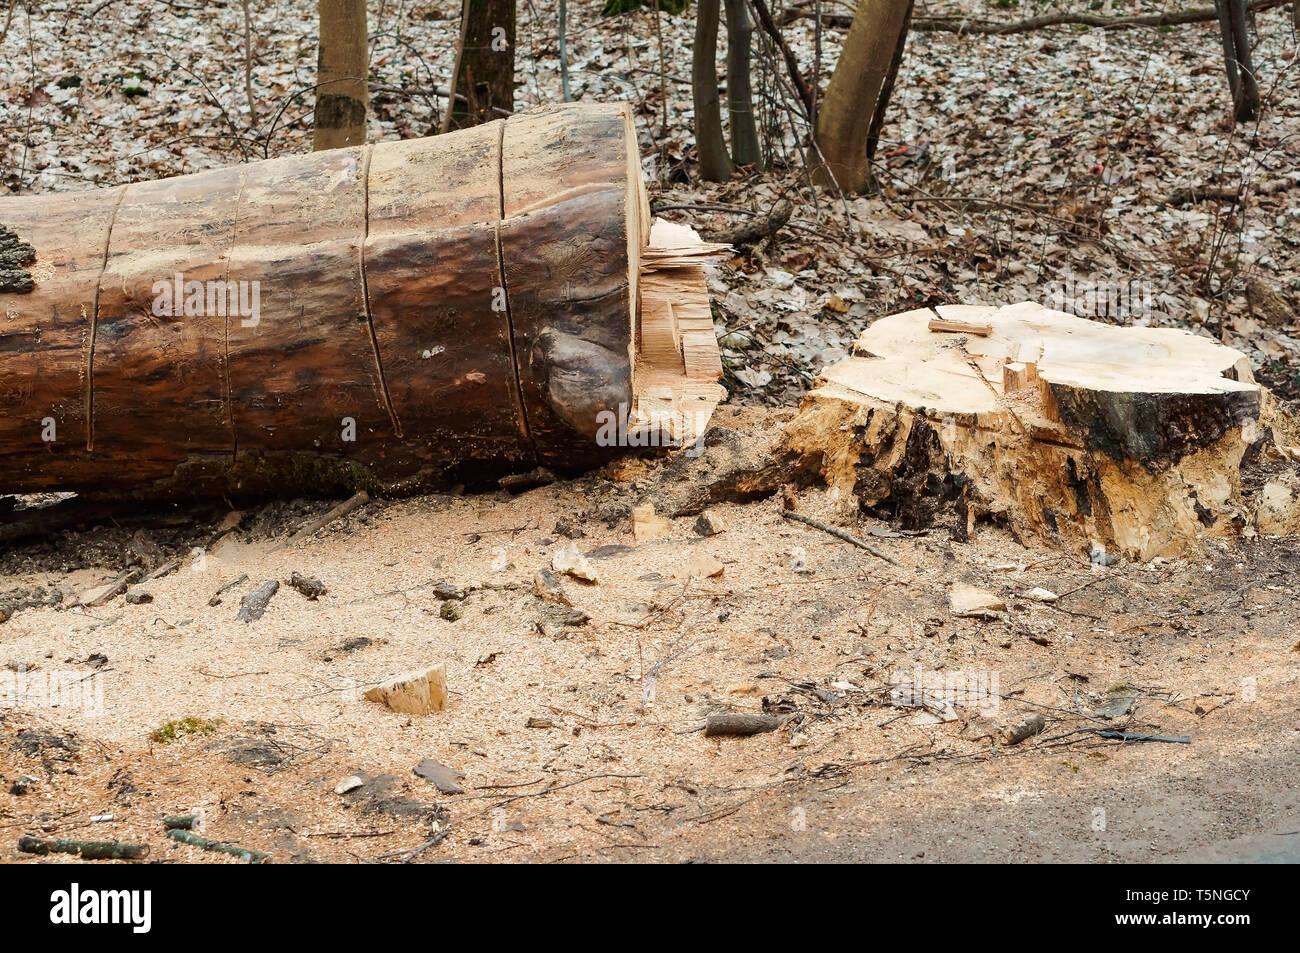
(582, 740)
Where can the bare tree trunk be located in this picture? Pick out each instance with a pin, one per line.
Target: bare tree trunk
(887, 91)
(1237, 59)
(9, 18)
(715, 161)
(342, 95)
(564, 51)
(844, 120)
(485, 64)
(740, 96)
(248, 65)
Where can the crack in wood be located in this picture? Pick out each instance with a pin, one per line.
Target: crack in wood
(94, 322)
(225, 277)
(365, 294)
(505, 290)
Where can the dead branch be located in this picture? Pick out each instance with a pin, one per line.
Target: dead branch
(336, 513)
(839, 534)
(757, 229)
(993, 28)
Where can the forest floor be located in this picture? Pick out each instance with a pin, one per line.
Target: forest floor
(1035, 166)
(580, 736)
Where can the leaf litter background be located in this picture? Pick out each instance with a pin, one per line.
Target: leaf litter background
(1056, 147)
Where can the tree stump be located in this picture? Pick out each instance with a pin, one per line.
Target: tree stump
(1125, 440)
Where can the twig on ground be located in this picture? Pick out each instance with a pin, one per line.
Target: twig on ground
(840, 534)
(358, 499)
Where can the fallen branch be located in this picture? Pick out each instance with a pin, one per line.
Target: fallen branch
(358, 499)
(254, 604)
(843, 21)
(166, 569)
(740, 726)
(216, 596)
(757, 229)
(234, 850)
(839, 534)
(1196, 194)
(1125, 736)
(85, 849)
(233, 674)
(112, 590)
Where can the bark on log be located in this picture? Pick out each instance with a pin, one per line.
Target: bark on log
(1135, 441)
(396, 316)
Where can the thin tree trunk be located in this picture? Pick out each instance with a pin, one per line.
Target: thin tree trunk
(485, 64)
(564, 51)
(1237, 59)
(9, 18)
(887, 91)
(248, 64)
(844, 120)
(715, 161)
(740, 96)
(342, 96)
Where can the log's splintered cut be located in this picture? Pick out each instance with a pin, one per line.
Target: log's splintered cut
(395, 316)
(1128, 438)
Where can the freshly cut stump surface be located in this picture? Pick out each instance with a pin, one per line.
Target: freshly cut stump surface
(1121, 440)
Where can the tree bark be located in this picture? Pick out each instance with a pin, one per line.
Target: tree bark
(715, 161)
(413, 313)
(745, 149)
(844, 120)
(342, 93)
(1237, 59)
(485, 65)
(887, 90)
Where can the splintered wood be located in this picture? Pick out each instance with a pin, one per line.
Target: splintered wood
(678, 366)
(415, 693)
(1120, 440)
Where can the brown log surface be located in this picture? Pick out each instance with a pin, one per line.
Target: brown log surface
(461, 305)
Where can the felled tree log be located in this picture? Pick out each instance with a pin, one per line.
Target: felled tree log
(406, 314)
(1122, 440)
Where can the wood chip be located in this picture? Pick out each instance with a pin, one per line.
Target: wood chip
(646, 525)
(698, 566)
(737, 725)
(415, 693)
(972, 602)
(1018, 732)
(571, 562)
(253, 605)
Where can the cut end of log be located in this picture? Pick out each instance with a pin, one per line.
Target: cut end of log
(1130, 440)
(675, 380)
